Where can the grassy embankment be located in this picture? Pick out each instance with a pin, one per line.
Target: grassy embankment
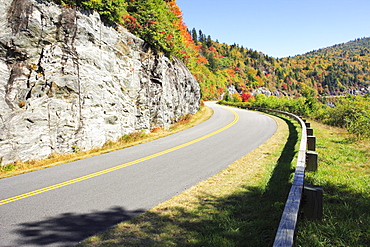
(128, 140)
(242, 205)
(344, 174)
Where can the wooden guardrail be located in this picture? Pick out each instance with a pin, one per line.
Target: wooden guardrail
(300, 195)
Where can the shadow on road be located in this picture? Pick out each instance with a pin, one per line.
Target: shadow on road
(69, 228)
(248, 217)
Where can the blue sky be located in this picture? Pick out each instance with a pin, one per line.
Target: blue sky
(279, 28)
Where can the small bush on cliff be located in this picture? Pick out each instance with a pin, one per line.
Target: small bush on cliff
(134, 136)
(7, 168)
(111, 11)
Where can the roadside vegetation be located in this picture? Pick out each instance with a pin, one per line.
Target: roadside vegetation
(125, 141)
(350, 112)
(239, 206)
(242, 205)
(344, 174)
(342, 131)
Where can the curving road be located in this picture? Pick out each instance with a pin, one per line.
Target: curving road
(63, 205)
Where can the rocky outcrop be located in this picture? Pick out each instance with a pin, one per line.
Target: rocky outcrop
(67, 80)
(268, 93)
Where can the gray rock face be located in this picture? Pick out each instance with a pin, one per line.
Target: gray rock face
(68, 80)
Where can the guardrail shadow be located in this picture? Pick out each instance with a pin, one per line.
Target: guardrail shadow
(269, 203)
(69, 229)
(246, 218)
(279, 183)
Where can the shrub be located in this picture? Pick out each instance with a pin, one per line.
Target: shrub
(360, 126)
(8, 168)
(351, 113)
(132, 137)
(236, 97)
(111, 11)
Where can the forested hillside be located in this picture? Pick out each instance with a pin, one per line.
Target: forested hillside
(339, 69)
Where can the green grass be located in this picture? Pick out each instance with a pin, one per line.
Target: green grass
(240, 206)
(344, 174)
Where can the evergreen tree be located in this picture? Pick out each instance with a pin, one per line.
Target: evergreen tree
(201, 36)
(209, 41)
(194, 35)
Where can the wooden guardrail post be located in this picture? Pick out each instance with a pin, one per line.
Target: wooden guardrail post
(312, 202)
(311, 139)
(311, 143)
(309, 131)
(311, 161)
(311, 154)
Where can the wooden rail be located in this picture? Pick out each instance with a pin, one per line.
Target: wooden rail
(288, 224)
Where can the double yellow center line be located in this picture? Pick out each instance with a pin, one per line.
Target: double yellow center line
(95, 174)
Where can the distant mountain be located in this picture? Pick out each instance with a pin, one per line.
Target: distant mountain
(338, 69)
(355, 47)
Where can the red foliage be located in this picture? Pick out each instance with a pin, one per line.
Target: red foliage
(246, 97)
(220, 91)
(211, 48)
(149, 23)
(231, 72)
(131, 23)
(285, 86)
(170, 37)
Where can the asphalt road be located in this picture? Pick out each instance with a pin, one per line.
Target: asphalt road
(62, 205)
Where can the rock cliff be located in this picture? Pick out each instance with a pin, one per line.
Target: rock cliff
(68, 80)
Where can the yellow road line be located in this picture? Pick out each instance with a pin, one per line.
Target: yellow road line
(95, 174)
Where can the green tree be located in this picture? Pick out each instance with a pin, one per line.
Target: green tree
(194, 35)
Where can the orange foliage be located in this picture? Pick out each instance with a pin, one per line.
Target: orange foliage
(201, 60)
